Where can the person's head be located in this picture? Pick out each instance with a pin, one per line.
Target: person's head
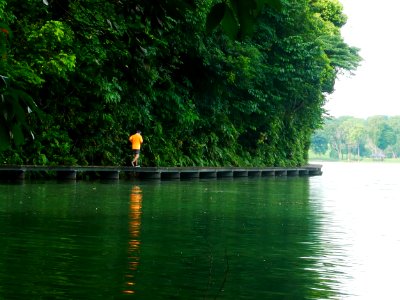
(138, 131)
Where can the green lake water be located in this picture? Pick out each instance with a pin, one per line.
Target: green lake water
(333, 236)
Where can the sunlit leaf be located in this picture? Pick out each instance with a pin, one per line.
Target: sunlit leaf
(3, 81)
(109, 23)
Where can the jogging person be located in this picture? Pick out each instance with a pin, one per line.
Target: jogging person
(136, 140)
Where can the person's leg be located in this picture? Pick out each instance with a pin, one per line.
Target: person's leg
(135, 160)
(135, 157)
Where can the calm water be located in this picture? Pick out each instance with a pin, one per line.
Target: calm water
(334, 236)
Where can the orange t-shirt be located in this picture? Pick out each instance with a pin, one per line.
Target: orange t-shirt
(136, 140)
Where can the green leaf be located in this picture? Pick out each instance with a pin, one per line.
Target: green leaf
(229, 24)
(18, 135)
(215, 16)
(4, 138)
(19, 112)
(26, 98)
(5, 29)
(182, 5)
(275, 4)
(246, 13)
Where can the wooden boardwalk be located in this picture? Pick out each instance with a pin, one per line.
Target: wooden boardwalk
(114, 172)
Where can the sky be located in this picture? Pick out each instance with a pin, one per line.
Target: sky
(373, 26)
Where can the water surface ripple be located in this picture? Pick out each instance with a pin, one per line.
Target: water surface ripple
(333, 236)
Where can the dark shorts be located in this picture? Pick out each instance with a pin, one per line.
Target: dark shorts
(136, 151)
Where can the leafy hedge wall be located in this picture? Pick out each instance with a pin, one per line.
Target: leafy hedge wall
(79, 76)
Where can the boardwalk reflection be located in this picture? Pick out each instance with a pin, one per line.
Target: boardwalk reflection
(135, 214)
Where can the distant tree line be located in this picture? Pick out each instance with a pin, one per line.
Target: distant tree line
(208, 83)
(349, 138)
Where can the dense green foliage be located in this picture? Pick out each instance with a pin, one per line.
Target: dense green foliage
(97, 70)
(352, 138)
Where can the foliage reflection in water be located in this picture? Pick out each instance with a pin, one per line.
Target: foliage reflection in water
(206, 239)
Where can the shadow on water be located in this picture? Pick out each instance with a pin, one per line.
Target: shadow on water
(206, 239)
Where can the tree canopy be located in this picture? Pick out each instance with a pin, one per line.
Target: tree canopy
(236, 83)
(353, 138)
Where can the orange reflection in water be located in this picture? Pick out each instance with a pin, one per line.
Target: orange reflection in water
(135, 214)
